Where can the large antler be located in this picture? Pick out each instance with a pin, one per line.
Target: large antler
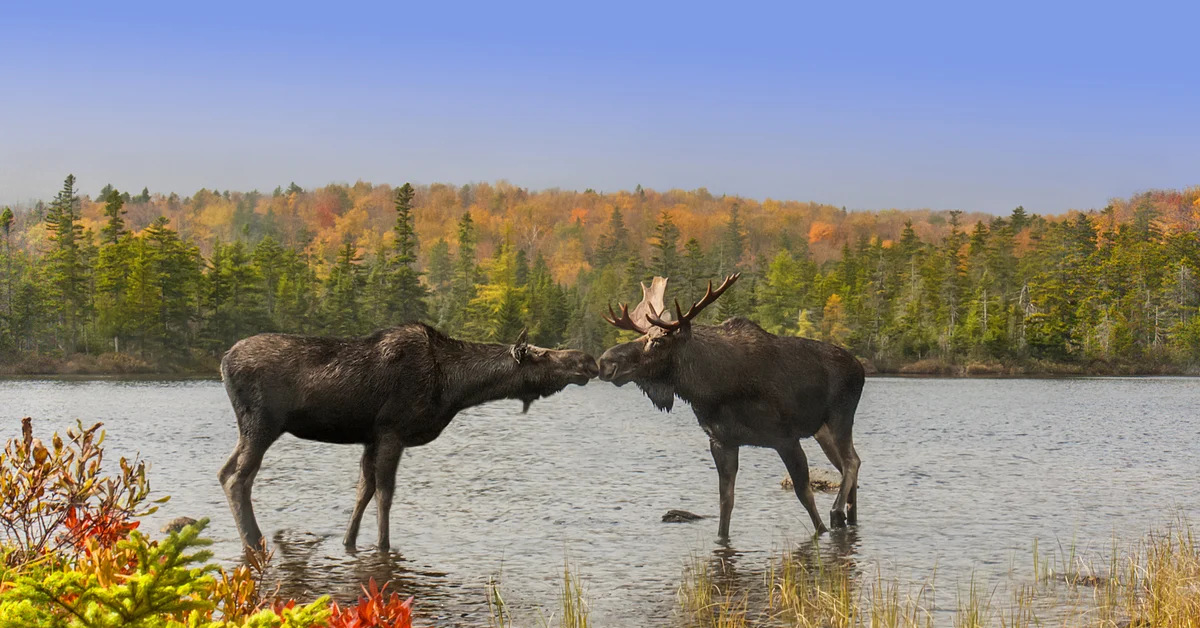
(651, 305)
(682, 319)
(623, 321)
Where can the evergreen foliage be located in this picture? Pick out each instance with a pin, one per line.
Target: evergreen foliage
(175, 281)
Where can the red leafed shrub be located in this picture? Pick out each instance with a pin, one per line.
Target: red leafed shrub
(374, 610)
(106, 528)
(56, 499)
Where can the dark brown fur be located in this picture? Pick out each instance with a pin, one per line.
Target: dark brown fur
(750, 387)
(397, 388)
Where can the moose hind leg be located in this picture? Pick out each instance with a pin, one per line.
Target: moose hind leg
(847, 498)
(726, 458)
(366, 490)
(828, 443)
(797, 466)
(237, 478)
(387, 460)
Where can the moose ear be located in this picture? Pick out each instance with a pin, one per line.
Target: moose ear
(521, 346)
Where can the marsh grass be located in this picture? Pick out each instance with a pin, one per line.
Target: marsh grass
(1154, 583)
(573, 605)
(572, 611)
(498, 613)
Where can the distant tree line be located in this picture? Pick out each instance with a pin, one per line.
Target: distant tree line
(1118, 285)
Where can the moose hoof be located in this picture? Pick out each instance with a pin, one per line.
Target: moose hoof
(837, 519)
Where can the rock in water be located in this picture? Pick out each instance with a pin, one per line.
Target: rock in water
(680, 516)
(177, 524)
(821, 480)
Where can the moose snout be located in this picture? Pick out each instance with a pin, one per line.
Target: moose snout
(608, 369)
(584, 367)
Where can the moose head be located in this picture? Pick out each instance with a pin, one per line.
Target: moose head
(651, 359)
(542, 372)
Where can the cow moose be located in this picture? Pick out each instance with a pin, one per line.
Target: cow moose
(747, 387)
(397, 388)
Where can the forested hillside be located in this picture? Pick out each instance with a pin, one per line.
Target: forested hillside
(170, 282)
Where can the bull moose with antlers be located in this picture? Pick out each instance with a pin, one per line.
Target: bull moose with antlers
(747, 387)
(395, 389)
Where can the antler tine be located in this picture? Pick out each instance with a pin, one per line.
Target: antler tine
(710, 295)
(622, 322)
(658, 322)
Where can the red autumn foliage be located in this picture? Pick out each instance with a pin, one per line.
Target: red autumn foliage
(106, 527)
(375, 610)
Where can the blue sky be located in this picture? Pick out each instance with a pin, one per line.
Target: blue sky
(955, 105)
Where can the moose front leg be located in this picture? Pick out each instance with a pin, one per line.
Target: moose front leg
(366, 490)
(387, 459)
(726, 458)
(237, 478)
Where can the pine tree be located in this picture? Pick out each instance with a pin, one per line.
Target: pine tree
(548, 308)
(268, 260)
(665, 258)
(405, 294)
(6, 223)
(114, 205)
(733, 243)
(112, 273)
(441, 267)
(405, 243)
(1019, 219)
(466, 272)
(343, 311)
(175, 267)
(613, 247)
(695, 275)
(65, 264)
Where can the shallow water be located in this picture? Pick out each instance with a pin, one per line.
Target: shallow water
(958, 476)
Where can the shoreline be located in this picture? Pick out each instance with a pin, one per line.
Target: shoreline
(128, 366)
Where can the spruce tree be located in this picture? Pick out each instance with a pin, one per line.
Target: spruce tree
(695, 274)
(342, 291)
(466, 272)
(733, 243)
(176, 276)
(112, 272)
(269, 264)
(406, 294)
(6, 223)
(441, 267)
(114, 209)
(65, 264)
(614, 243)
(665, 254)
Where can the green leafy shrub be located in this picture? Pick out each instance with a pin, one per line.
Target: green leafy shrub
(73, 557)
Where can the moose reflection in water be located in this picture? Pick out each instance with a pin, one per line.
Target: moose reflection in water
(747, 387)
(397, 388)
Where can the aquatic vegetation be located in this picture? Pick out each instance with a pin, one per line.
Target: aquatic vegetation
(1156, 582)
(573, 600)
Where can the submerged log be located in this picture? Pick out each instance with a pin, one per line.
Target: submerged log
(821, 480)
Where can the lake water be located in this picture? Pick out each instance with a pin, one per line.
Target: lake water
(958, 476)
